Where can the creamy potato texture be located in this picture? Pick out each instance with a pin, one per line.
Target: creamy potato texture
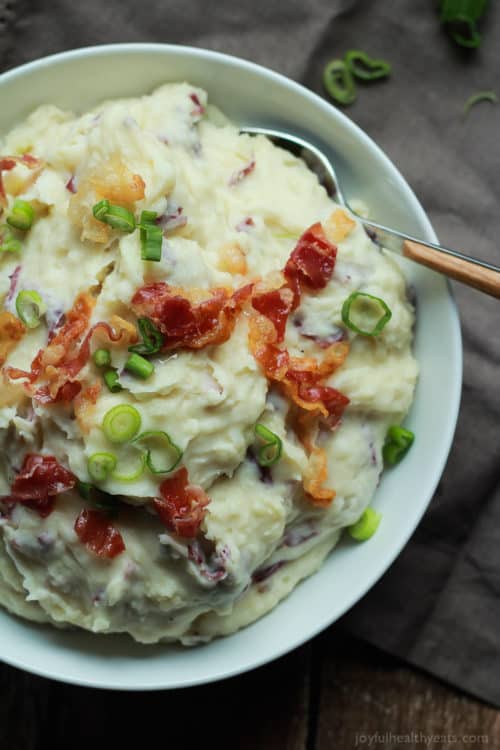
(232, 209)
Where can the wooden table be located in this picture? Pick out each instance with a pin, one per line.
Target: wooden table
(332, 693)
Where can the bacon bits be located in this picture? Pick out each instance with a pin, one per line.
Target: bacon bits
(187, 323)
(41, 478)
(313, 259)
(95, 530)
(67, 353)
(182, 506)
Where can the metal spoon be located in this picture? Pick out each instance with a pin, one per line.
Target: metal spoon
(471, 271)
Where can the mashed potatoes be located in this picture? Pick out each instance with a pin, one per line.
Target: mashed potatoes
(187, 523)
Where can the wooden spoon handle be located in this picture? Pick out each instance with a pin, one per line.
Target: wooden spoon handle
(466, 271)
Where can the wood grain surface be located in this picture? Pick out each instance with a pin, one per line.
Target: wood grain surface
(332, 693)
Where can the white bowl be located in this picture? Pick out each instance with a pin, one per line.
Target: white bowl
(254, 95)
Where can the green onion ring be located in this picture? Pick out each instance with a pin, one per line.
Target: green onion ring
(397, 444)
(364, 67)
(169, 446)
(353, 299)
(480, 96)
(116, 217)
(121, 423)
(152, 338)
(132, 475)
(102, 357)
(8, 241)
(366, 526)
(100, 466)
(151, 237)
(112, 380)
(30, 307)
(338, 82)
(269, 453)
(22, 215)
(139, 366)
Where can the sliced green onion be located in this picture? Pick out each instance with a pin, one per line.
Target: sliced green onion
(338, 82)
(133, 473)
(84, 489)
(121, 423)
(8, 242)
(151, 237)
(167, 455)
(139, 366)
(112, 380)
(102, 357)
(148, 218)
(30, 307)
(461, 18)
(152, 339)
(269, 453)
(116, 217)
(100, 466)
(366, 526)
(480, 96)
(364, 67)
(22, 215)
(365, 314)
(397, 444)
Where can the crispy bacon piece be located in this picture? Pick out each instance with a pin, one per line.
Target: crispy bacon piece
(182, 506)
(185, 323)
(41, 478)
(9, 162)
(97, 533)
(84, 405)
(313, 259)
(276, 305)
(67, 354)
(11, 332)
(65, 393)
(317, 474)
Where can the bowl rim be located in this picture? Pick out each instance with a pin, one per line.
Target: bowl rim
(255, 661)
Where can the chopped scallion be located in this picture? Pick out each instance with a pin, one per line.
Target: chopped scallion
(100, 466)
(366, 526)
(121, 423)
(21, 216)
(480, 96)
(84, 489)
(365, 314)
(162, 454)
(134, 470)
(270, 452)
(102, 357)
(364, 67)
(8, 241)
(338, 82)
(116, 217)
(151, 237)
(30, 307)
(461, 17)
(152, 339)
(139, 366)
(397, 444)
(112, 380)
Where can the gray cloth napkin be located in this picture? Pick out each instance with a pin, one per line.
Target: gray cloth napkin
(439, 604)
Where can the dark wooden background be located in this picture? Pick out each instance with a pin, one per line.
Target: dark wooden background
(335, 692)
